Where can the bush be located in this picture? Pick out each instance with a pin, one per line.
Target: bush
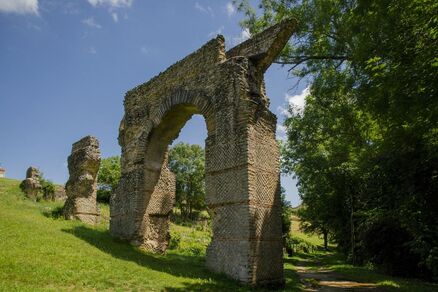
(195, 250)
(295, 244)
(386, 244)
(174, 241)
(48, 189)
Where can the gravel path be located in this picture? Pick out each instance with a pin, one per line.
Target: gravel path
(327, 280)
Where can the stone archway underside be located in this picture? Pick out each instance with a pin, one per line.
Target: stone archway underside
(242, 156)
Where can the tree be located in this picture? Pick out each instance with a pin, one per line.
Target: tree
(286, 216)
(187, 162)
(108, 177)
(366, 145)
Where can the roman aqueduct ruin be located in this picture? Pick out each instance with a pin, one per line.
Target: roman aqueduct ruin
(242, 155)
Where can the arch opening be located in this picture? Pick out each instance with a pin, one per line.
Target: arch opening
(160, 182)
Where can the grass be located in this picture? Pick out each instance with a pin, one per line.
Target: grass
(40, 251)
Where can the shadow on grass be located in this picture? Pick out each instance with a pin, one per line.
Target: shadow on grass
(55, 213)
(175, 264)
(341, 271)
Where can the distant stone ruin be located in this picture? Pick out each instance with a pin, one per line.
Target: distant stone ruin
(81, 187)
(59, 194)
(242, 156)
(31, 185)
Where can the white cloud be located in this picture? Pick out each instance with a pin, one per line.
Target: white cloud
(295, 102)
(111, 3)
(92, 50)
(244, 35)
(115, 16)
(281, 132)
(19, 6)
(231, 9)
(216, 32)
(206, 10)
(91, 23)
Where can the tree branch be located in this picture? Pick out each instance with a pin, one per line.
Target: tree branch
(296, 61)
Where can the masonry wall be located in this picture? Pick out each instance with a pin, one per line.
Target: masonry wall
(242, 156)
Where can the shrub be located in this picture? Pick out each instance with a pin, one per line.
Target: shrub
(385, 243)
(295, 244)
(175, 240)
(48, 189)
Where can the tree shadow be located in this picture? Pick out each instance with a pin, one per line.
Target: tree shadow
(174, 264)
(54, 213)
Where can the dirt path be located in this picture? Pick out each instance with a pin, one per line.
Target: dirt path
(327, 280)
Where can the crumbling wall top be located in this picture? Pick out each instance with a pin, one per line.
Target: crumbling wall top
(265, 46)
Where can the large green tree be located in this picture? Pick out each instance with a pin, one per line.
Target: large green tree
(108, 177)
(365, 148)
(187, 162)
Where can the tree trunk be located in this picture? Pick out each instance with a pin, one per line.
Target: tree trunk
(353, 239)
(325, 233)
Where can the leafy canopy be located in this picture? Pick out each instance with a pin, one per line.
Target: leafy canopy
(365, 148)
(187, 162)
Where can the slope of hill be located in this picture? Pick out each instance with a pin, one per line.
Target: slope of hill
(39, 251)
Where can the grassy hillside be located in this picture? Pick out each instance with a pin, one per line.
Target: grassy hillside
(40, 251)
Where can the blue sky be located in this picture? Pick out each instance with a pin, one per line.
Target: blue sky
(66, 65)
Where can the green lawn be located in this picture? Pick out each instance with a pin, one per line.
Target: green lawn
(39, 251)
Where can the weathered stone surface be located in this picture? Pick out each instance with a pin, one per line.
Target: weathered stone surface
(242, 156)
(31, 184)
(59, 194)
(81, 187)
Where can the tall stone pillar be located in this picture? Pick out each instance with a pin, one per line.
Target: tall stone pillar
(81, 187)
(242, 186)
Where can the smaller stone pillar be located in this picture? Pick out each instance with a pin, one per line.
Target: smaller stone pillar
(81, 187)
(31, 185)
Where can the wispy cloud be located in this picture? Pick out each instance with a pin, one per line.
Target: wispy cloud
(294, 102)
(216, 32)
(91, 23)
(92, 50)
(244, 35)
(33, 26)
(231, 9)
(111, 3)
(206, 9)
(115, 16)
(19, 6)
(71, 8)
(112, 6)
(144, 50)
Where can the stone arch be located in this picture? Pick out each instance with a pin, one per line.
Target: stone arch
(159, 183)
(242, 156)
